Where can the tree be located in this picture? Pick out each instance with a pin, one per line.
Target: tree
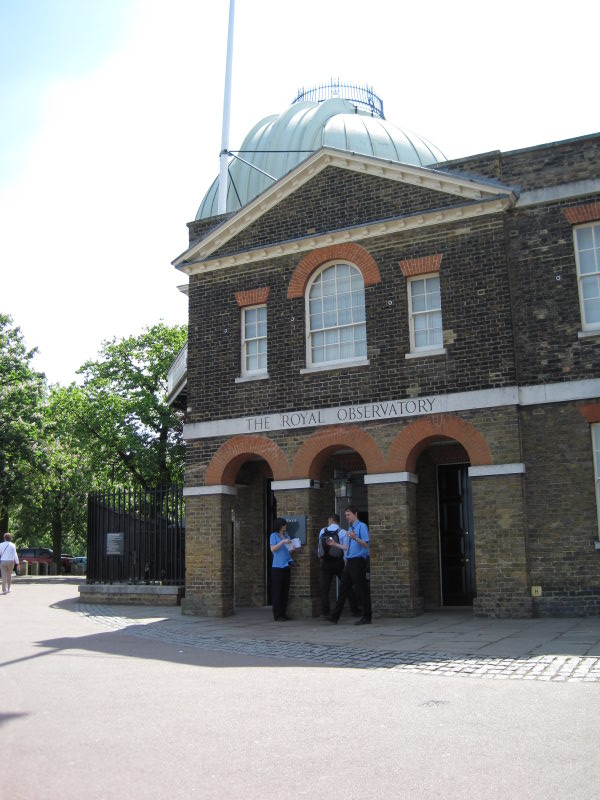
(55, 503)
(122, 411)
(116, 429)
(21, 396)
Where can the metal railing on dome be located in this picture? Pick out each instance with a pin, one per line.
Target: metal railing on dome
(362, 96)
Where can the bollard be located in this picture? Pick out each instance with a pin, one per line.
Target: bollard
(42, 568)
(52, 570)
(34, 568)
(24, 567)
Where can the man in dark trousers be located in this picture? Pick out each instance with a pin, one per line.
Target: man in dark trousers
(332, 551)
(355, 571)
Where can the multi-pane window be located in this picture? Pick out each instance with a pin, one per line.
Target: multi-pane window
(336, 315)
(596, 446)
(587, 249)
(425, 310)
(254, 340)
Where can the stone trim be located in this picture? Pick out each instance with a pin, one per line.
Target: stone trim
(439, 404)
(297, 483)
(252, 297)
(421, 266)
(194, 491)
(330, 366)
(438, 216)
(392, 477)
(559, 392)
(586, 213)
(131, 594)
(353, 253)
(496, 469)
(552, 194)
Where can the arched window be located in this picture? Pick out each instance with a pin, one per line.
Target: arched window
(335, 310)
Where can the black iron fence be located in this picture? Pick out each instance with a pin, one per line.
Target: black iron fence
(136, 536)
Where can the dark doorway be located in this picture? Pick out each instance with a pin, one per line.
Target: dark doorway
(457, 551)
(270, 506)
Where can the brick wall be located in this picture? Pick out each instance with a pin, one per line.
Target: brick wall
(428, 532)
(336, 198)
(475, 308)
(500, 547)
(562, 515)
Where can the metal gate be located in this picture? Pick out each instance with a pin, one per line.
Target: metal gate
(136, 536)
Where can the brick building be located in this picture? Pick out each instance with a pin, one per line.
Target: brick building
(422, 337)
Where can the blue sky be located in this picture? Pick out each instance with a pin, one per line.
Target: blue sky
(41, 42)
(111, 125)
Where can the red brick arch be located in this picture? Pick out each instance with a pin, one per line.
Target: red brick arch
(315, 451)
(408, 445)
(228, 459)
(354, 253)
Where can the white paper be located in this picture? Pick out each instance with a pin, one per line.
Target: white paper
(294, 544)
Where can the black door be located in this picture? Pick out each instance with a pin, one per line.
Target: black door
(270, 507)
(456, 536)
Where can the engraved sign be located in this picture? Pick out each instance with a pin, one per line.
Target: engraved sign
(115, 544)
(296, 528)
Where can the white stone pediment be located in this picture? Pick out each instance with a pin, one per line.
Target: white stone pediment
(478, 196)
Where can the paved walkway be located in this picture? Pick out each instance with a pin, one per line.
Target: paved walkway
(444, 643)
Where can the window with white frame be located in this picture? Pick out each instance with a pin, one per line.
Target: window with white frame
(587, 254)
(336, 324)
(425, 313)
(596, 447)
(254, 340)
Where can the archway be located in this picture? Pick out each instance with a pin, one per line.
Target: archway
(250, 464)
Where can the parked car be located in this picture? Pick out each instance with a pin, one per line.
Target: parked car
(41, 555)
(79, 561)
(65, 562)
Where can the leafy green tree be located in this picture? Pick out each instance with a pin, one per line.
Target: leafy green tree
(115, 429)
(53, 508)
(121, 410)
(21, 396)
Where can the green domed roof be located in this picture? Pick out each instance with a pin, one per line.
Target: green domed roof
(278, 143)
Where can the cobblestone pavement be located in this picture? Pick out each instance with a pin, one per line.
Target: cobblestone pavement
(557, 668)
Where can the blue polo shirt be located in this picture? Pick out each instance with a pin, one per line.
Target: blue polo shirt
(356, 550)
(281, 557)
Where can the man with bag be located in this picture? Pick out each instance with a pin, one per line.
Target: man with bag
(8, 560)
(355, 573)
(331, 551)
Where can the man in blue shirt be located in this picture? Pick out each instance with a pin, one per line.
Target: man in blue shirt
(355, 570)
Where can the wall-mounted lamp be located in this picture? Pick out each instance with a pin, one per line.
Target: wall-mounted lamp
(342, 485)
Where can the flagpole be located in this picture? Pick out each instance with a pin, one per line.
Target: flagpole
(223, 156)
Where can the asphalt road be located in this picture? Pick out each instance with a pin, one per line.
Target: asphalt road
(93, 712)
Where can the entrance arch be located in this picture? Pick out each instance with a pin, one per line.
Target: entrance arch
(315, 451)
(410, 443)
(228, 459)
(439, 451)
(249, 463)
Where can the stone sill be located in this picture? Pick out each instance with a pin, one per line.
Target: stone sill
(131, 594)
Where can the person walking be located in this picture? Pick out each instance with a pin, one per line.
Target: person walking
(8, 560)
(355, 571)
(331, 550)
(280, 570)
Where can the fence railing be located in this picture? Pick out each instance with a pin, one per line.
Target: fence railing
(136, 536)
(362, 96)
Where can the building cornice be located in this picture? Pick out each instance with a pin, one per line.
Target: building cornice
(423, 177)
(438, 216)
